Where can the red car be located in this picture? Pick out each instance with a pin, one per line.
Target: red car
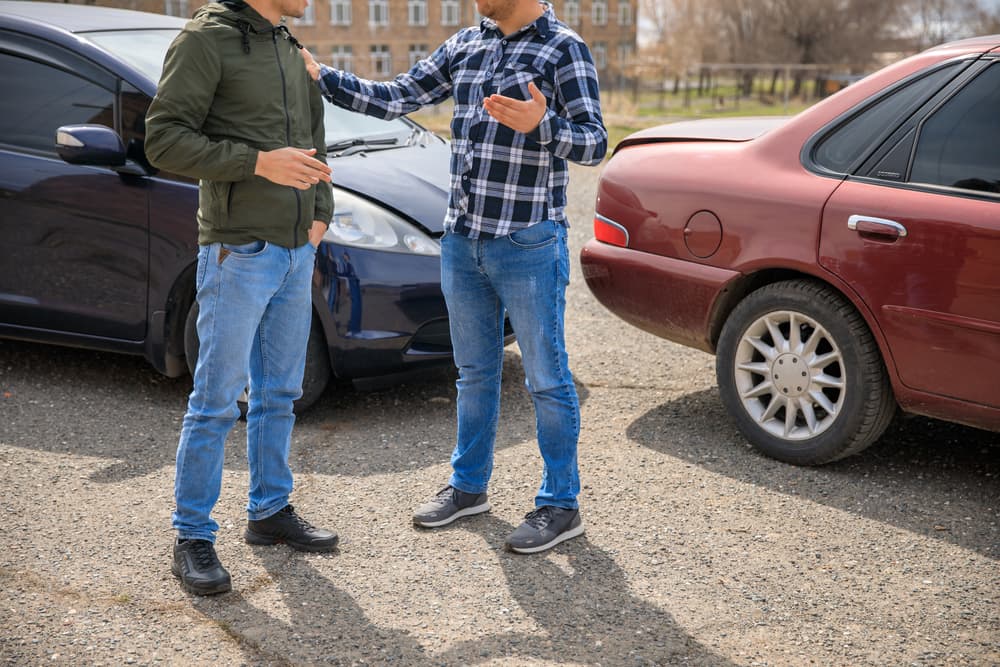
(840, 264)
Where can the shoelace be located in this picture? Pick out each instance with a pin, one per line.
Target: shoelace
(538, 518)
(302, 523)
(203, 554)
(444, 496)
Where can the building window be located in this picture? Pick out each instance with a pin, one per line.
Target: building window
(624, 12)
(176, 8)
(308, 16)
(342, 58)
(340, 12)
(417, 53)
(600, 53)
(571, 11)
(417, 11)
(381, 60)
(378, 12)
(451, 12)
(599, 12)
(626, 53)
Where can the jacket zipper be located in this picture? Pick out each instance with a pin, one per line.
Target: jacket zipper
(288, 135)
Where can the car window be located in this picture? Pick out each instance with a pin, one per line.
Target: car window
(146, 49)
(842, 148)
(959, 144)
(142, 49)
(39, 98)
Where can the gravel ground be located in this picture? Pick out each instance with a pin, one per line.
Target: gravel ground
(697, 551)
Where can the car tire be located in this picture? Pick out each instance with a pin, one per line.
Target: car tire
(314, 380)
(801, 374)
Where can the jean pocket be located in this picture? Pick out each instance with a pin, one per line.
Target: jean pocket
(539, 235)
(244, 249)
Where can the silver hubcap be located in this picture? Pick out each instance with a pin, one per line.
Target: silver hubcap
(790, 375)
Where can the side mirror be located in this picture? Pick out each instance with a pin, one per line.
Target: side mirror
(94, 145)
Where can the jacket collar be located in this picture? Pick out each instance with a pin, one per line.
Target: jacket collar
(542, 25)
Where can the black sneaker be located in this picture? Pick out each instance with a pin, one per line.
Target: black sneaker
(543, 528)
(199, 569)
(285, 526)
(450, 504)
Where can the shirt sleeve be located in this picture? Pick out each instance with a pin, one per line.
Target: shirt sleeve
(428, 82)
(174, 139)
(573, 128)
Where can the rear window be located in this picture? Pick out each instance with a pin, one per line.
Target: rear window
(844, 148)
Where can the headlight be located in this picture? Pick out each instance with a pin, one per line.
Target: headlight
(360, 224)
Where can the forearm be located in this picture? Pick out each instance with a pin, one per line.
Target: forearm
(173, 147)
(386, 100)
(581, 142)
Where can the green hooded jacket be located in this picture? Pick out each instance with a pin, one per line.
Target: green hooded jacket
(233, 84)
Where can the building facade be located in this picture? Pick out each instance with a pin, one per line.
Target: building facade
(377, 39)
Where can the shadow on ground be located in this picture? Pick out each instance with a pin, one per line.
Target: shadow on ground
(916, 460)
(116, 407)
(581, 607)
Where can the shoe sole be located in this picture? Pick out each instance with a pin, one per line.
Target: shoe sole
(468, 511)
(259, 540)
(194, 590)
(558, 539)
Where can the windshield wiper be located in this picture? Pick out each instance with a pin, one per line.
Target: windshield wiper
(362, 144)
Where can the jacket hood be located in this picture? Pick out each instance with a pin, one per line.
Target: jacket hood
(242, 17)
(232, 14)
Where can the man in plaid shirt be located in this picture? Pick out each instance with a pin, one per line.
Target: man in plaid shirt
(526, 100)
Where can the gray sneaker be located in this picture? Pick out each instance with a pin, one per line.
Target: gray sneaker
(543, 528)
(450, 504)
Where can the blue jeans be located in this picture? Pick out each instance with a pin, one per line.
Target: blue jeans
(526, 274)
(254, 319)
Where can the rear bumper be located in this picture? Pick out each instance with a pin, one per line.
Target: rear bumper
(668, 297)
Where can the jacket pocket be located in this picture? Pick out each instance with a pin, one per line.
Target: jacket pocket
(213, 201)
(259, 204)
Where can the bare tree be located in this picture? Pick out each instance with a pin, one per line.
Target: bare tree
(936, 21)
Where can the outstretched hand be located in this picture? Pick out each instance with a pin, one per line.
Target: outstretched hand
(520, 115)
(311, 65)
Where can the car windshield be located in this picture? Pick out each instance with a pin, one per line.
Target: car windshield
(145, 50)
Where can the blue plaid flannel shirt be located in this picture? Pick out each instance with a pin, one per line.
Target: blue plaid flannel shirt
(501, 180)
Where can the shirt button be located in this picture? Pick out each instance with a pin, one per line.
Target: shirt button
(465, 178)
(504, 42)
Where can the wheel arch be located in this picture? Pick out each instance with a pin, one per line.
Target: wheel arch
(179, 300)
(738, 289)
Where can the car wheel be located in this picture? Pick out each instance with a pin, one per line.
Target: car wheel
(314, 380)
(801, 374)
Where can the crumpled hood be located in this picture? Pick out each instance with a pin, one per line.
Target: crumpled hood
(412, 180)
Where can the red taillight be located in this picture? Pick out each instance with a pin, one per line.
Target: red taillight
(607, 231)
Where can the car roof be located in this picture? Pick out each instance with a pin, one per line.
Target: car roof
(983, 43)
(86, 18)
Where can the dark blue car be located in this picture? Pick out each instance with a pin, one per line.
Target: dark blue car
(98, 249)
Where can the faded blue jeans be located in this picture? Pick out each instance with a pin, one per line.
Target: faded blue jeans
(254, 319)
(524, 274)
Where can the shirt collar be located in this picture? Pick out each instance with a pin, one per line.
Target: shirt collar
(543, 24)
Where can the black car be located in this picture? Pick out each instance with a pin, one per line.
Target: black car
(98, 249)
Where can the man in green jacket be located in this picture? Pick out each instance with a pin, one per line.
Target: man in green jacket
(236, 109)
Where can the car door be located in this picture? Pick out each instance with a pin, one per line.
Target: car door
(916, 233)
(73, 239)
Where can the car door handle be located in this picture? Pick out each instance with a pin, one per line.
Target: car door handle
(865, 224)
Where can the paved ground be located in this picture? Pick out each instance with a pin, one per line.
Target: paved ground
(697, 551)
